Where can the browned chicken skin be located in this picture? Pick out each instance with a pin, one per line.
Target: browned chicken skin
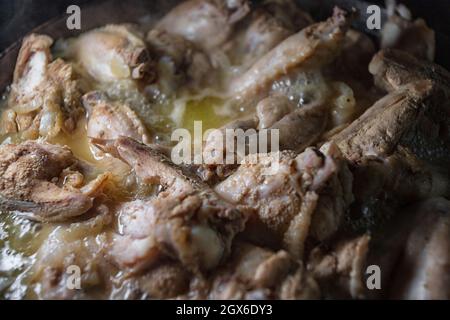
(428, 135)
(165, 281)
(396, 151)
(108, 119)
(394, 68)
(310, 123)
(45, 95)
(299, 52)
(257, 273)
(186, 221)
(405, 118)
(265, 27)
(275, 114)
(41, 181)
(291, 196)
(341, 271)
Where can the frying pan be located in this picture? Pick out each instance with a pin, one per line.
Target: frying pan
(101, 12)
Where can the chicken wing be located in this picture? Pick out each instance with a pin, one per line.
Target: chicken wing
(42, 181)
(45, 94)
(186, 221)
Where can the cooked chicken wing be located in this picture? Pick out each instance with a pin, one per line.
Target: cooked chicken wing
(165, 281)
(114, 52)
(301, 128)
(295, 128)
(186, 221)
(218, 147)
(272, 109)
(207, 23)
(340, 273)
(44, 96)
(409, 117)
(293, 197)
(257, 273)
(394, 68)
(108, 119)
(311, 48)
(265, 27)
(398, 149)
(180, 63)
(44, 182)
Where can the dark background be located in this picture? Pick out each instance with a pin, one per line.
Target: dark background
(18, 17)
